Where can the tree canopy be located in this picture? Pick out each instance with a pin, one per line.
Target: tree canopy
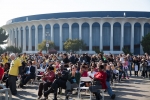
(3, 36)
(146, 43)
(74, 45)
(10, 49)
(126, 51)
(42, 45)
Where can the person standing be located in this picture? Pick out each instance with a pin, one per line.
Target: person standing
(13, 73)
(135, 64)
(5, 58)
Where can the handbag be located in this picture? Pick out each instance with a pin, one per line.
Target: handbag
(96, 82)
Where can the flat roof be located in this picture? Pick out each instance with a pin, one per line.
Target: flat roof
(88, 14)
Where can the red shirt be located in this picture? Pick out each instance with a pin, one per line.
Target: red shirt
(50, 76)
(84, 74)
(102, 77)
(1, 72)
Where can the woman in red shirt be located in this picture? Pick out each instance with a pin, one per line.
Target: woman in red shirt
(48, 79)
(100, 82)
(1, 71)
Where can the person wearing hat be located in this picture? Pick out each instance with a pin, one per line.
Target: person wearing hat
(48, 79)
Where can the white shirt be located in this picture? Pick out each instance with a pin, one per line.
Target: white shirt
(28, 72)
(91, 73)
(121, 59)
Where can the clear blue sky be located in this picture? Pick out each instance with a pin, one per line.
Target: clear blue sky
(16, 8)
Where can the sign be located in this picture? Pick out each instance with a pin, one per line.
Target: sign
(47, 44)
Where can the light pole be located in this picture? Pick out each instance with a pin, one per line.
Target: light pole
(47, 44)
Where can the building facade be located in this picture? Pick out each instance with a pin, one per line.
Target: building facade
(109, 31)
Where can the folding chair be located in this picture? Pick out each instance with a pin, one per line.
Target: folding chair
(39, 70)
(84, 79)
(8, 95)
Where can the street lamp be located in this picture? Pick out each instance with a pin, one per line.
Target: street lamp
(47, 44)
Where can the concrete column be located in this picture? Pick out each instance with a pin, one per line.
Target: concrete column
(11, 36)
(122, 36)
(111, 37)
(101, 37)
(70, 31)
(52, 33)
(19, 37)
(30, 40)
(24, 39)
(142, 35)
(90, 37)
(43, 32)
(15, 38)
(80, 33)
(8, 36)
(60, 38)
(36, 37)
(8, 39)
(132, 38)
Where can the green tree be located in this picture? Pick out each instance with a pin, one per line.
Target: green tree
(146, 43)
(98, 51)
(126, 51)
(74, 45)
(3, 36)
(13, 49)
(42, 45)
(1, 50)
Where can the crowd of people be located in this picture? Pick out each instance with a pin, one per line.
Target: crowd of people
(64, 70)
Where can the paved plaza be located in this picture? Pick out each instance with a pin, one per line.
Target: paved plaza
(132, 89)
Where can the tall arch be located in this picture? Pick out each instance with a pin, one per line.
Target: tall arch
(85, 34)
(33, 37)
(48, 32)
(56, 31)
(106, 36)
(75, 31)
(116, 36)
(137, 38)
(95, 35)
(127, 35)
(40, 31)
(146, 28)
(65, 32)
(27, 37)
